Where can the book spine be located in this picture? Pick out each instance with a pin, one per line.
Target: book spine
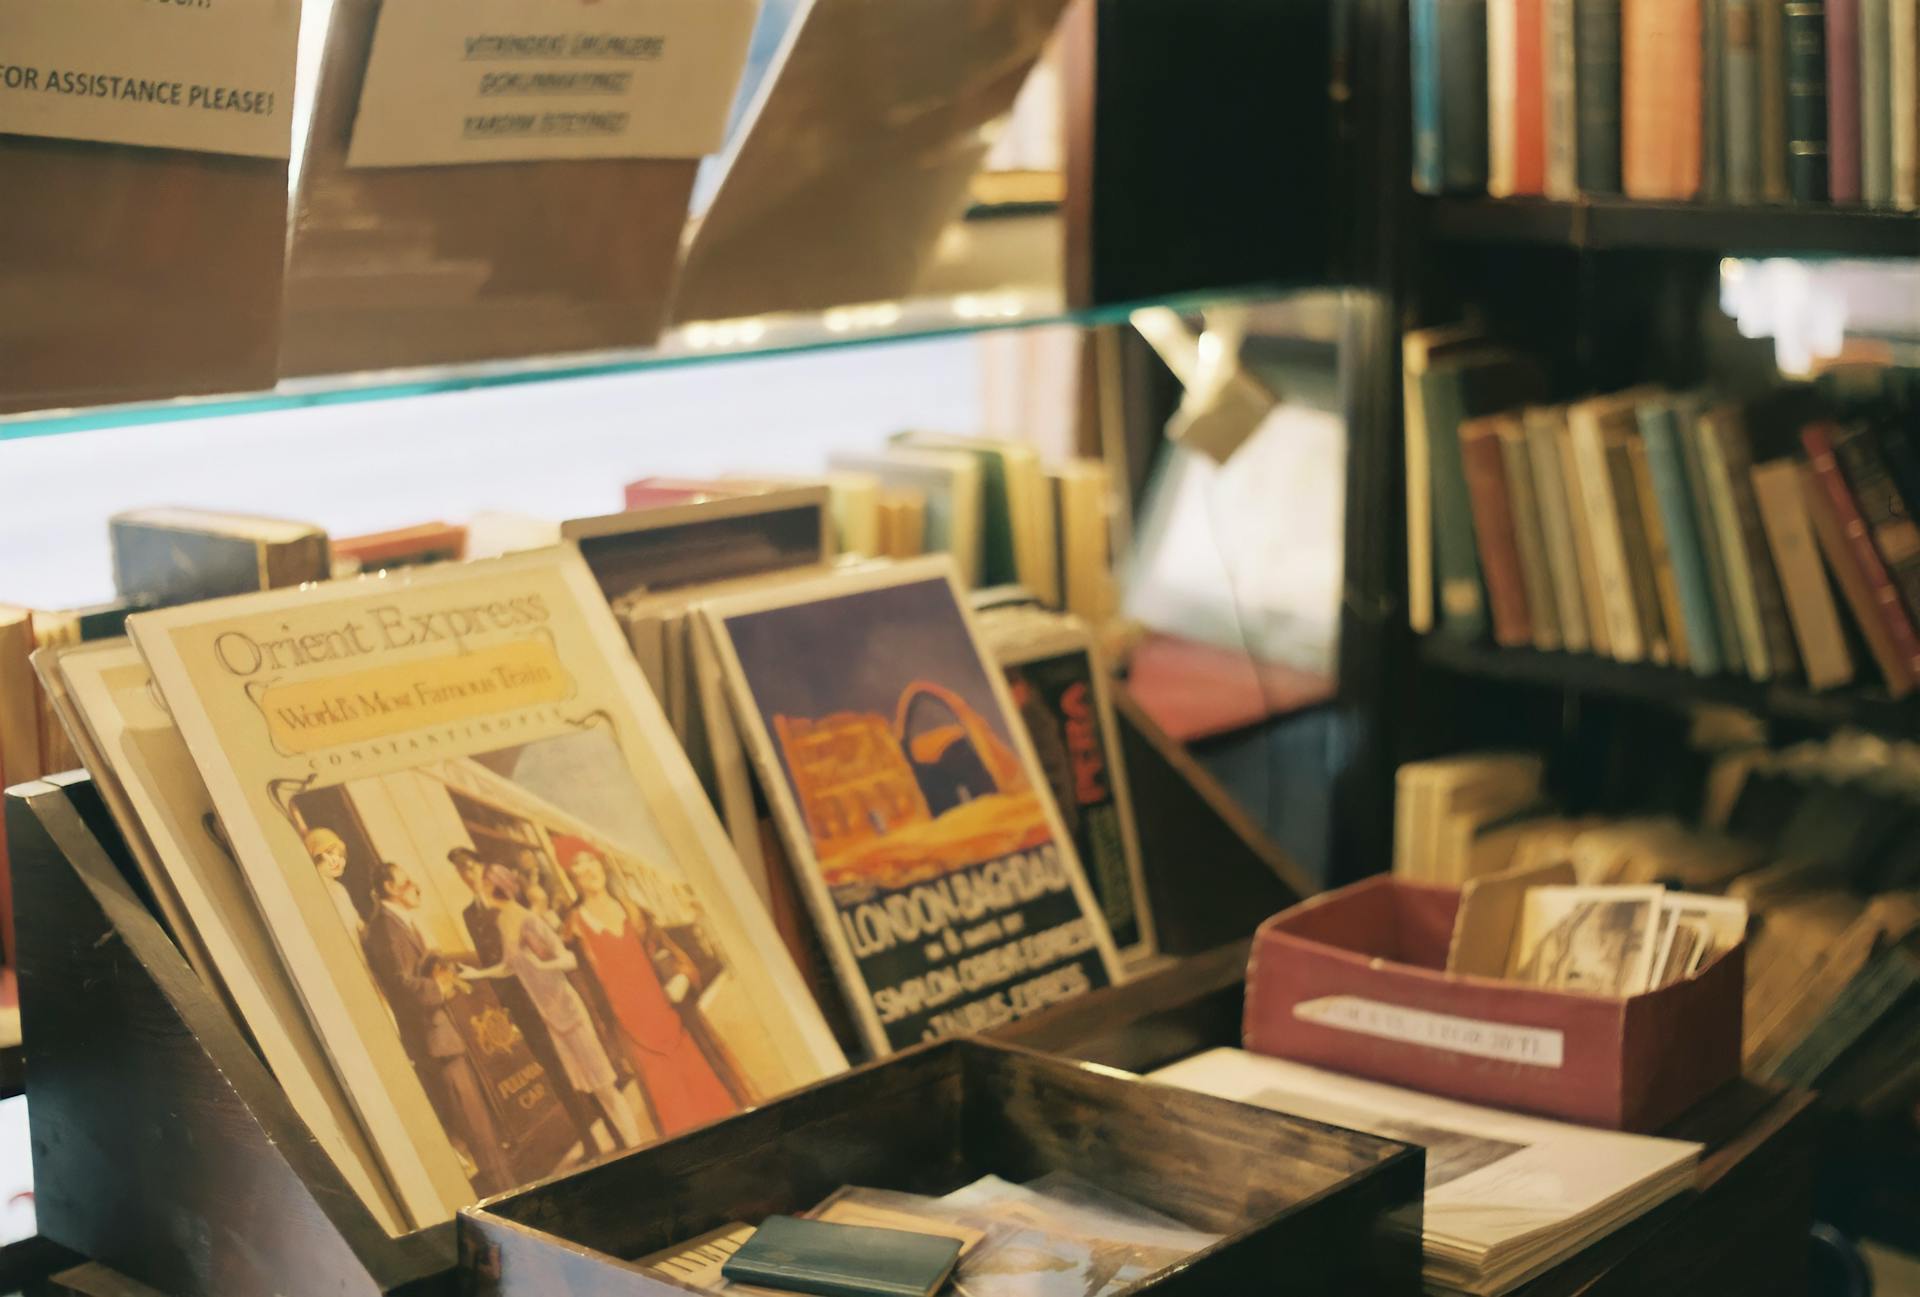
(1818, 439)
(1810, 607)
(1737, 453)
(1592, 589)
(1419, 476)
(1660, 549)
(1903, 94)
(1529, 99)
(1692, 586)
(1741, 83)
(1529, 537)
(1876, 107)
(1624, 634)
(1502, 86)
(1843, 100)
(1853, 584)
(1461, 610)
(1493, 527)
(1771, 56)
(1686, 424)
(1895, 534)
(1423, 38)
(1713, 100)
(1562, 111)
(1597, 94)
(1804, 35)
(1556, 525)
(1733, 549)
(1635, 544)
(1660, 98)
(1462, 39)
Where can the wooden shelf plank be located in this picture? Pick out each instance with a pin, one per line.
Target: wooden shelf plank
(1865, 708)
(1601, 224)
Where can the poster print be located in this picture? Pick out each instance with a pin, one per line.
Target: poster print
(515, 922)
(1057, 688)
(943, 882)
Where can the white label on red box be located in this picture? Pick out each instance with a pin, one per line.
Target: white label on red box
(1528, 1046)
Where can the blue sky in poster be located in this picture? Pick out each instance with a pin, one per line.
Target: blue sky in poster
(859, 652)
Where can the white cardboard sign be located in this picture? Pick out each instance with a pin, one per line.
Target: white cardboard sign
(1528, 1046)
(208, 76)
(525, 80)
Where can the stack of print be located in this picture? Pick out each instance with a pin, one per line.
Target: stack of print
(1772, 539)
(1738, 101)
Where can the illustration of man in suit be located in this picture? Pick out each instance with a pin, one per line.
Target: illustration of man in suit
(418, 985)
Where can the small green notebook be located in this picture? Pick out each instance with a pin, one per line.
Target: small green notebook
(812, 1256)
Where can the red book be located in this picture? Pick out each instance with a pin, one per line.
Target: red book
(1818, 440)
(1516, 98)
(1660, 98)
(664, 492)
(1843, 101)
(1494, 532)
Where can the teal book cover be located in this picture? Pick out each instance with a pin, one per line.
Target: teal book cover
(1667, 463)
(812, 1256)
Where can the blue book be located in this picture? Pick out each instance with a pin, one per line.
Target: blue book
(1666, 462)
(1428, 168)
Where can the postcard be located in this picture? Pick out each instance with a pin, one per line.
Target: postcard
(1598, 940)
(514, 920)
(942, 879)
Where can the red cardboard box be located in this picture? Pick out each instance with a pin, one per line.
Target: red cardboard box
(1355, 981)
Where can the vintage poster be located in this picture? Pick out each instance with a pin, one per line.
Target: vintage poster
(943, 881)
(515, 922)
(1059, 689)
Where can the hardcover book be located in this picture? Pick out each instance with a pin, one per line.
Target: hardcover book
(1876, 104)
(1529, 532)
(942, 879)
(1810, 606)
(950, 480)
(1589, 426)
(1556, 525)
(1597, 91)
(1804, 37)
(1895, 533)
(1843, 561)
(1494, 531)
(1562, 106)
(1740, 109)
(1687, 412)
(1903, 95)
(815, 1256)
(173, 555)
(513, 918)
(1642, 571)
(1770, 55)
(1843, 100)
(1660, 118)
(1667, 470)
(1516, 73)
(1660, 553)
(1713, 100)
(1593, 590)
(1419, 350)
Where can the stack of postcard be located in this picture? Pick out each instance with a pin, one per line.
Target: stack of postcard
(1508, 1197)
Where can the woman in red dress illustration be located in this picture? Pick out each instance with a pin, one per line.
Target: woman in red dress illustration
(684, 1088)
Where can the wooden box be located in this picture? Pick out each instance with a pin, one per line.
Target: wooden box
(1354, 980)
(1307, 1210)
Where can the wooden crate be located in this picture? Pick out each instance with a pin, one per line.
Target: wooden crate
(1307, 1210)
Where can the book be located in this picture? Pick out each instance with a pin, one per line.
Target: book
(1423, 41)
(1529, 532)
(427, 542)
(1081, 492)
(1804, 38)
(951, 484)
(1597, 92)
(1589, 424)
(412, 768)
(1770, 56)
(148, 781)
(1740, 83)
(1659, 553)
(1660, 443)
(1493, 526)
(1556, 525)
(1713, 101)
(1642, 574)
(1843, 562)
(1660, 98)
(1464, 387)
(1507, 1196)
(1516, 108)
(1890, 976)
(1844, 55)
(813, 1256)
(650, 551)
(1809, 599)
(173, 555)
(1419, 349)
(1759, 609)
(1903, 102)
(1449, 62)
(1895, 533)
(1060, 687)
(1593, 591)
(1017, 518)
(1561, 100)
(1876, 103)
(940, 874)
(1687, 413)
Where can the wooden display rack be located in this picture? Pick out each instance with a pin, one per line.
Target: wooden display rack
(166, 1153)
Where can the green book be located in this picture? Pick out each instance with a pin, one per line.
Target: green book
(1889, 977)
(999, 548)
(1659, 432)
(814, 1256)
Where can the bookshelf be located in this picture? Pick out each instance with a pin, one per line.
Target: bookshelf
(1604, 224)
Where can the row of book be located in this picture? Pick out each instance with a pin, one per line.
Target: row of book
(1738, 101)
(1817, 840)
(1677, 529)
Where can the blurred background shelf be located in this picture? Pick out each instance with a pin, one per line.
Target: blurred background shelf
(1602, 224)
(1863, 708)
